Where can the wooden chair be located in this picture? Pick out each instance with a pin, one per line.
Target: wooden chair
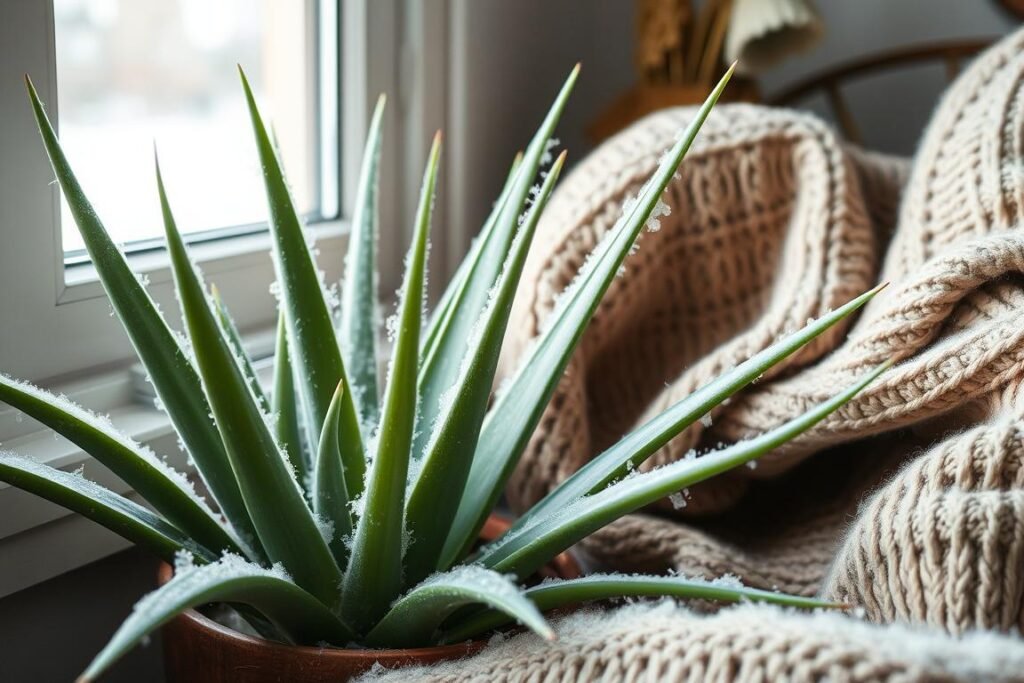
(953, 54)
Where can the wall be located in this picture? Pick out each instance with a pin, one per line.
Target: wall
(507, 62)
(508, 59)
(51, 632)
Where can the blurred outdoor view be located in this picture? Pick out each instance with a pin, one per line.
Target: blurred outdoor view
(131, 72)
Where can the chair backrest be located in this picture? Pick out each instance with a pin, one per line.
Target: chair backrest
(831, 81)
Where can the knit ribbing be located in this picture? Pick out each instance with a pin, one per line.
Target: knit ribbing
(748, 644)
(761, 193)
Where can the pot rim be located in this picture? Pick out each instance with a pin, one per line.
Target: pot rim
(220, 631)
(564, 565)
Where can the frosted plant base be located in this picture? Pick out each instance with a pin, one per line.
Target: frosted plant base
(200, 650)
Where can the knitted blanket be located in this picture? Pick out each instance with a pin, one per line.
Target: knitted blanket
(908, 502)
(759, 644)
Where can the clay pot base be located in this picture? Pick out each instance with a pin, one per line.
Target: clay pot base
(200, 650)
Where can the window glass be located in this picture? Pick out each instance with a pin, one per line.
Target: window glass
(134, 72)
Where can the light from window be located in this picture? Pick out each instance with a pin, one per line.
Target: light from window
(131, 72)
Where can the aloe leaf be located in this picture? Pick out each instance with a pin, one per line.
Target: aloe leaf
(164, 488)
(101, 505)
(330, 498)
(313, 345)
(518, 408)
(284, 405)
(167, 364)
(286, 527)
(415, 618)
(441, 317)
(230, 330)
(443, 359)
(297, 613)
(555, 594)
(374, 575)
(358, 325)
(644, 441)
(523, 551)
(437, 488)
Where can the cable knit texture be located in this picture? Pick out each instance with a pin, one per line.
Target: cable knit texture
(908, 502)
(748, 644)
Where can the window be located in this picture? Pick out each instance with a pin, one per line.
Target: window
(115, 74)
(133, 72)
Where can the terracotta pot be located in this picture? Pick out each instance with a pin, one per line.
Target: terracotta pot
(199, 650)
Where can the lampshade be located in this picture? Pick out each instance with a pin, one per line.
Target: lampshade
(764, 32)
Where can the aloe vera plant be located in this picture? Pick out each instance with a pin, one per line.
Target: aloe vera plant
(346, 514)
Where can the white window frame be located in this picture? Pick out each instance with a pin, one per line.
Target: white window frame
(56, 328)
(67, 306)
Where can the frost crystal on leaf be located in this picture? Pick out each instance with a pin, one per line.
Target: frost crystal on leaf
(325, 527)
(391, 327)
(727, 581)
(546, 157)
(183, 561)
(653, 221)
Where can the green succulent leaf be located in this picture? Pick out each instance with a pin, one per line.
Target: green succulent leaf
(443, 359)
(441, 317)
(636, 447)
(234, 337)
(415, 618)
(374, 575)
(164, 488)
(284, 404)
(517, 410)
(313, 345)
(525, 550)
(358, 325)
(330, 497)
(101, 505)
(436, 490)
(284, 523)
(293, 610)
(173, 376)
(565, 593)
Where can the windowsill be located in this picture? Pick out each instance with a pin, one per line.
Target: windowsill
(218, 256)
(39, 539)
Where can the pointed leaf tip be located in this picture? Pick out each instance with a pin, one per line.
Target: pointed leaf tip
(245, 81)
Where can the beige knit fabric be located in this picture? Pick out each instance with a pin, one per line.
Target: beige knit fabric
(943, 541)
(774, 221)
(908, 502)
(749, 644)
